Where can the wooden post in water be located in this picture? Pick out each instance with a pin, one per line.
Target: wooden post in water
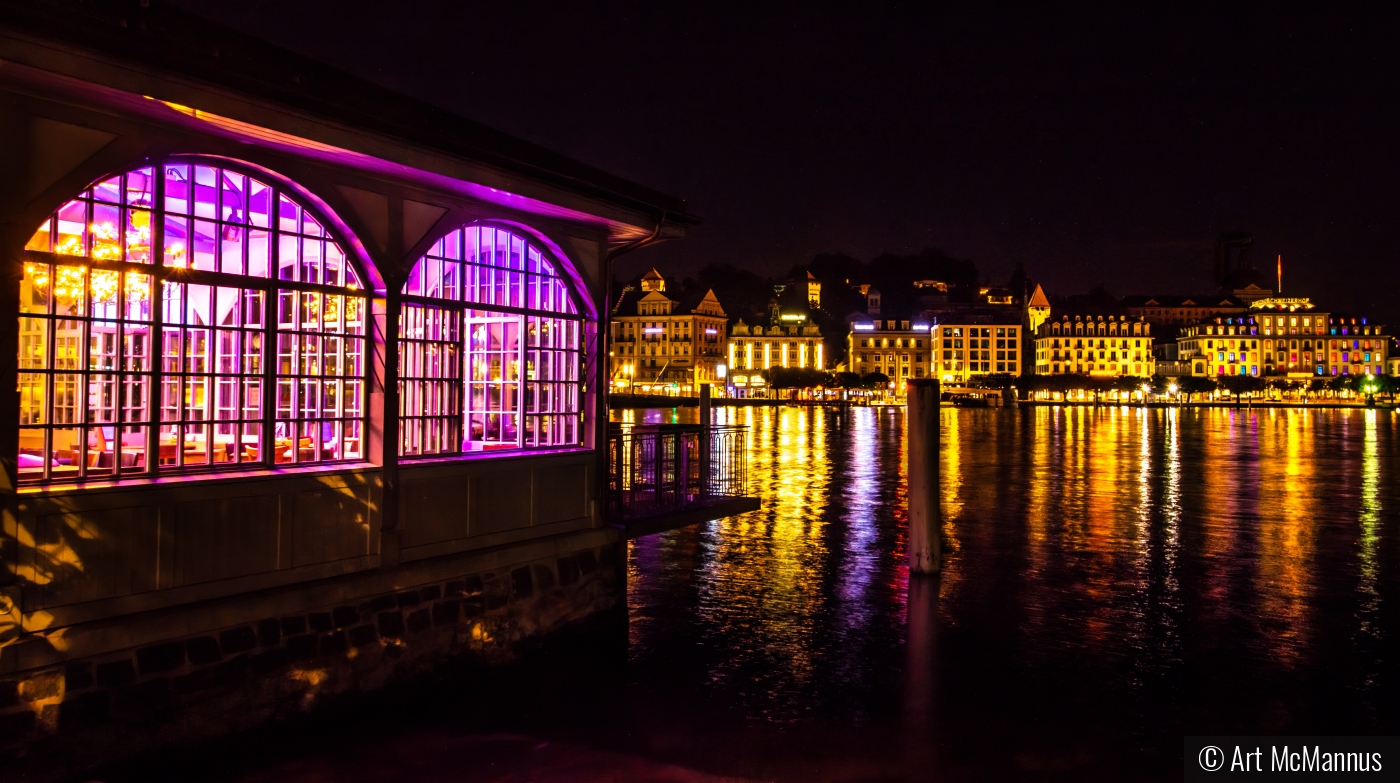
(925, 515)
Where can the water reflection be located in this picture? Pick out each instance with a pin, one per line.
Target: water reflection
(1114, 577)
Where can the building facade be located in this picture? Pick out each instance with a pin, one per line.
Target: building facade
(1286, 337)
(753, 349)
(894, 347)
(1163, 310)
(1100, 346)
(664, 343)
(964, 349)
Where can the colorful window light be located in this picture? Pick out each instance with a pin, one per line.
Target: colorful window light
(488, 348)
(133, 368)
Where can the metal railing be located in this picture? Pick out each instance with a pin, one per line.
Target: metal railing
(654, 469)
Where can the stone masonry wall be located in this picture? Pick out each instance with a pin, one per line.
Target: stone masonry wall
(86, 712)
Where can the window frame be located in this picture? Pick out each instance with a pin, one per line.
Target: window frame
(464, 310)
(165, 279)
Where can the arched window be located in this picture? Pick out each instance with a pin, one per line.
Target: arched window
(173, 315)
(488, 347)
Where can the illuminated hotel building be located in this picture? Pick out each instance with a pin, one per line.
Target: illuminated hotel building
(963, 350)
(793, 343)
(1230, 346)
(1285, 337)
(897, 348)
(665, 342)
(1095, 345)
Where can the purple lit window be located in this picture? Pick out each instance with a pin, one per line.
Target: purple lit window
(489, 348)
(131, 367)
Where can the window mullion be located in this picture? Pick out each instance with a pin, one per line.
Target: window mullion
(271, 298)
(520, 381)
(82, 358)
(156, 352)
(51, 342)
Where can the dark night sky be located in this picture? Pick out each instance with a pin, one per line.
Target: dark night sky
(1105, 146)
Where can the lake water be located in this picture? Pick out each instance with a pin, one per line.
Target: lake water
(1113, 579)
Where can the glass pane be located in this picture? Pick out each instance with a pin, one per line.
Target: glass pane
(204, 245)
(259, 204)
(206, 192)
(259, 250)
(140, 188)
(34, 288)
(138, 236)
(176, 242)
(103, 293)
(106, 232)
(68, 290)
(72, 229)
(41, 239)
(177, 189)
(233, 197)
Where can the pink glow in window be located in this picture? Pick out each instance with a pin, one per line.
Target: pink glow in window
(202, 361)
(489, 348)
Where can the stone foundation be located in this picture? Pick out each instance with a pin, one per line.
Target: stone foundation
(66, 717)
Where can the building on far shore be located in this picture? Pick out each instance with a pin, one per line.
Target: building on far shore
(895, 347)
(793, 342)
(975, 345)
(660, 343)
(1160, 310)
(1285, 337)
(1095, 345)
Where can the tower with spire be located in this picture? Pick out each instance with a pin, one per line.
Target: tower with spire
(1037, 309)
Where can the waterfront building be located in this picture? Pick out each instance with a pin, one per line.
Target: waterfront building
(1288, 337)
(896, 347)
(305, 366)
(1095, 345)
(1230, 345)
(1356, 347)
(665, 344)
(793, 342)
(1168, 310)
(972, 346)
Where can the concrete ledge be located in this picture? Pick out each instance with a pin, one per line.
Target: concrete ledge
(660, 523)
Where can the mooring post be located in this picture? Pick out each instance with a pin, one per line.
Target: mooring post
(704, 439)
(924, 512)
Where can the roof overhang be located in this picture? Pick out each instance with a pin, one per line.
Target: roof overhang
(52, 70)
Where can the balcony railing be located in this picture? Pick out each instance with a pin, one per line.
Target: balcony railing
(664, 468)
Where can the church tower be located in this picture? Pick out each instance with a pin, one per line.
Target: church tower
(814, 292)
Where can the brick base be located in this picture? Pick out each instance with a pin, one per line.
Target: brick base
(64, 719)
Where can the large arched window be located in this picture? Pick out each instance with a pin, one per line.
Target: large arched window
(488, 348)
(173, 315)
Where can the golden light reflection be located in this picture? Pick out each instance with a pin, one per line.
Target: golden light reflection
(1369, 521)
(1105, 526)
(1289, 518)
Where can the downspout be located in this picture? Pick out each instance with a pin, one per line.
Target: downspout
(600, 428)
